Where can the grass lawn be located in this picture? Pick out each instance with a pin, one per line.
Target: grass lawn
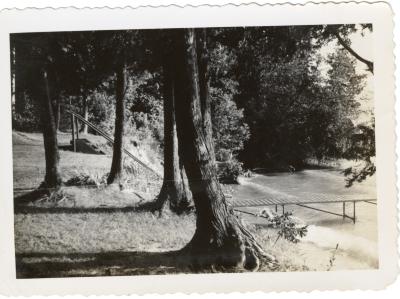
(29, 162)
(97, 231)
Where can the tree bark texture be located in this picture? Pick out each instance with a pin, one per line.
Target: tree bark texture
(220, 239)
(175, 189)
(204, 86)
(58, 114)
(48, 100)
(116, 165)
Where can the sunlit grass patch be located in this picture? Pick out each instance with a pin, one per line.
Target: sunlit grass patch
(101, 232)
(81, 197)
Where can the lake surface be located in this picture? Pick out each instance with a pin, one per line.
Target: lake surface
(315, 181)
(357, 242)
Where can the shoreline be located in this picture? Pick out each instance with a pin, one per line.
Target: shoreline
(324, 231)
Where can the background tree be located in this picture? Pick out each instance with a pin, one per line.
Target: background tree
(120, 88)
(81, 55)
(277, 83)
(41, 58)
(285, 96)
(118, 44)
(25, 112)
(175, 192)
(362, 145)
(49, 102)
(230, 132)
(340, 107)
(340, 33)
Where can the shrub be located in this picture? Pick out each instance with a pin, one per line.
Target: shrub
(229, 171)
(91, 178)
(28, 120)
(288, 228)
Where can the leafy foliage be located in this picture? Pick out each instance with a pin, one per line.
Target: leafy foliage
(27, 120)
(294, 110)
(82, 179)
(287, 227)
(289, 231)
(362, 148)
(229, 171)
(230, 132)
(272, 103)
(144, 100)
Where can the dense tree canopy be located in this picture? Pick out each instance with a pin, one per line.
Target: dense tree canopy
(275, 99)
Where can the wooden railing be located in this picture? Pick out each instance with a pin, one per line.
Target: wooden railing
(76, 116)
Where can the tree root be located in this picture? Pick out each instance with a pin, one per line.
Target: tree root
(255, 255)
(237, 250)
(168, 202)
(42, 193)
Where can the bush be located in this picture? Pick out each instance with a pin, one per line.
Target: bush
(28, 120)
(91, 178)
(288, 228)
(229, 171)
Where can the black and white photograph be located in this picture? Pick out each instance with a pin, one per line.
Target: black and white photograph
(194, 150)
(159, 157)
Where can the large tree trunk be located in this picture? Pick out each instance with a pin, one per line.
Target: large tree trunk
(204, 86)
(175, 190)
(115, 175)
(220, 239)
(48, 102)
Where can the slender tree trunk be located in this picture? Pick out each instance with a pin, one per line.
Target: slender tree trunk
(175, 189)
(220, 239)
(116, 165)
(85, 114)
(12, 59)
(52, 177)
(19, 97)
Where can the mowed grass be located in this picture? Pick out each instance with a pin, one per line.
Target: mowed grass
(29, 161)
(84, 220)
(98, 244)
(121, 243)
(100, 232)
(97, 231)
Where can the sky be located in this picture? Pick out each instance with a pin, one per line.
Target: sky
(363, 45)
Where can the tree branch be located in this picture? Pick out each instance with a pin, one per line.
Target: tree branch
(369, 64)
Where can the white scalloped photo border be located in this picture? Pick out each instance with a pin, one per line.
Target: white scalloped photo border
(173, 16)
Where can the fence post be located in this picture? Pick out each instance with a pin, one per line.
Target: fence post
(344, 209)
(73, 132)
(77, 128)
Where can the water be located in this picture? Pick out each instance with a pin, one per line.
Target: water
(357, 241)
(315, 181)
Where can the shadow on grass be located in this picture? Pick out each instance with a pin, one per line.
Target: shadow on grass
(29, 203)
(29, 197)
(21, 209)
(47, 265)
